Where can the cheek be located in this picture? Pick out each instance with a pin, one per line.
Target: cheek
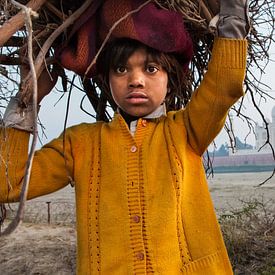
(115, 91)
(163, 79)
(113, 85)
(163, 86)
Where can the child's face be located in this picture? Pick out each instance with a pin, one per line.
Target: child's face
(139, 86)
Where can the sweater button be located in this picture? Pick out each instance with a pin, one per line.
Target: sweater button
(136, 219)
(140, 256)
(144, 123)
(133, 149)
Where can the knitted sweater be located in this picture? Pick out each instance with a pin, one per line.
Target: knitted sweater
(142, 201)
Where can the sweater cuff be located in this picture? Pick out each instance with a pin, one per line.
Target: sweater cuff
(229, 53)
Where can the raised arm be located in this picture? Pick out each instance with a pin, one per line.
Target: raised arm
(222, 85)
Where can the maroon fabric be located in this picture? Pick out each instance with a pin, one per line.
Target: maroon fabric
(155, 27)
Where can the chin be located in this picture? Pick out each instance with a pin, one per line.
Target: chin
(136, 113)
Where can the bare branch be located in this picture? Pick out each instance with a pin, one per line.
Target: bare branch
(26, 85)
(24, 191)
(17, 22)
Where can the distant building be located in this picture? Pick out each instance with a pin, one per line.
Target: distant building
(245, 160)
(261, 134)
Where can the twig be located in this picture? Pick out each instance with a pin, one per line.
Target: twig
(205, 11)
(24, 191)
(41, 56)
(17, 21)
(266, 180)
(55, 11)
(71, 181)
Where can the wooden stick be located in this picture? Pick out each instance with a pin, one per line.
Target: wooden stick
(205, 11)
(25, 185)
(56, 11)
(26, 85)
(17, 21)
(214, 6)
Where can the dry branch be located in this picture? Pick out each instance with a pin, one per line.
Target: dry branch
(17, 22)
(28, 13)
(25, 93)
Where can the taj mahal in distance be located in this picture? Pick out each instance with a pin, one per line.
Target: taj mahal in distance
(257, 159)
(261, 134)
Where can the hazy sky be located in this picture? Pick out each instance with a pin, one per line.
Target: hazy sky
(53, 117)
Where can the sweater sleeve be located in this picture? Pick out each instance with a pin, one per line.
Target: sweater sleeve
(50, 171)
(205, 114)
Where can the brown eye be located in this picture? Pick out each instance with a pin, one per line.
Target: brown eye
(120, 69)
(152, 69)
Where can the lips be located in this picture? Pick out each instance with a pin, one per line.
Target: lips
(137, 97)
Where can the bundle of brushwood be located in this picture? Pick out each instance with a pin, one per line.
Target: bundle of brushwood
(55, 19)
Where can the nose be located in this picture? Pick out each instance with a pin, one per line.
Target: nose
(136, 80)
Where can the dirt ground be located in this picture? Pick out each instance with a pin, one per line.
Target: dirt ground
(229, 190)
(41, 248)
(38, 249)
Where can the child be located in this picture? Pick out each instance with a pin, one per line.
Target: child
(142, 200)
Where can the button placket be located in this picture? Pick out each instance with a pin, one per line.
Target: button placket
(135, 210)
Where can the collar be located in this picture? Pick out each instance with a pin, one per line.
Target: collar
(160, 111)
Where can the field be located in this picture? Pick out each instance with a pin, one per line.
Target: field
(39, 247)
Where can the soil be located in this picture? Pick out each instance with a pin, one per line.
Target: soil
(38, 249)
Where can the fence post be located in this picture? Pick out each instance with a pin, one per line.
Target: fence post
(49, 211)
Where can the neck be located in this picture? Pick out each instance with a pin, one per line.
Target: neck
(128, 118)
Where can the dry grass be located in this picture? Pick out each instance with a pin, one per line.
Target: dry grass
(249, 234)
(38, 249)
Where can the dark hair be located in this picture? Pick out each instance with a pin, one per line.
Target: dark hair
(117, 53)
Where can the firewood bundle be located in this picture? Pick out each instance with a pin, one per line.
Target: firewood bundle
(52, 27)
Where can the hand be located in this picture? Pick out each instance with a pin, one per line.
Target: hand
(233, 19)
(237, 8)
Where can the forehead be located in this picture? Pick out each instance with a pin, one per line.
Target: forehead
(139, 56)
(124, 55)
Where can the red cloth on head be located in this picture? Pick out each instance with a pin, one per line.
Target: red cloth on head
(155, 27)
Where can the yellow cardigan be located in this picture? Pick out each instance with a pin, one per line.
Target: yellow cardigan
(142, 202)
